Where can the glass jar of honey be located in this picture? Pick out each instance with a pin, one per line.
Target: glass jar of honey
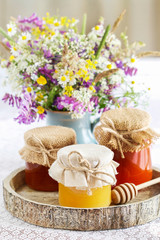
(37, 178)
(40, 151)
(85, 173)
(135, 167)
(127, 133)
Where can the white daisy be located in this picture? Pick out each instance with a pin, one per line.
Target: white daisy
(12, 29)
(24, 38)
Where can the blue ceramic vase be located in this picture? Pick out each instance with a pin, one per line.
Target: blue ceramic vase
(81, 126)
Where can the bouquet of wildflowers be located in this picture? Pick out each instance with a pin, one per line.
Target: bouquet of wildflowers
(53, 67)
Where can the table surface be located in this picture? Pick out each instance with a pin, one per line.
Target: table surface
(11, 228)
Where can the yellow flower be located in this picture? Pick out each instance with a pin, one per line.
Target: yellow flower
(24, 37)
(9, 29)
(40, 110)
(68, 90)
(96, 27)
(149, 89)
(29, 89)
(36, 31)
(87, 78)
(73, 20)
(11, 58)
(109, 66)
(92, 88)
(133, 82)
(41, 80)
(63, 21)
(67, 25)
(56, 24)
(39, 96)
(133, 60)
(63, 78)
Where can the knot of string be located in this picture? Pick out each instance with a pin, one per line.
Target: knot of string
(109, 126)
(87, 169)
(41, 149)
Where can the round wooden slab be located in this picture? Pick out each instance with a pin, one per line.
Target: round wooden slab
(42, 209)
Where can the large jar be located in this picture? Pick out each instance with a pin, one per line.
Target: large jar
(127, 133)
(85, 173)
(40, 151)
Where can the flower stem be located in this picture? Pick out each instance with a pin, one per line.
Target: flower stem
(102, 42)
(84, 24)
(6, 35)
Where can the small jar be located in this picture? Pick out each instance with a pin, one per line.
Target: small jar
(127, 133)
(40, 151)
(85, 173)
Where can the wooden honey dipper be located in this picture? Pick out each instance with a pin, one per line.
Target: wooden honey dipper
(127, 191)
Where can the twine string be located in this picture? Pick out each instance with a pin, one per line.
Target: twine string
(119, 135)
(86, 168)
(41, 149)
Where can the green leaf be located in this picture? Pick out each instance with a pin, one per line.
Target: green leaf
(53, 93)
(102, 42)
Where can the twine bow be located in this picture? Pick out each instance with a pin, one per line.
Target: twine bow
(41, 149)
(85, 166)
(119, 136)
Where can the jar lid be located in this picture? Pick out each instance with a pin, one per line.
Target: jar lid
(42, 143)
(127, 118)
(125, 129)
(84, 166)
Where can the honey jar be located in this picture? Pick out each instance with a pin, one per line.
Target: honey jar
(85, 173)
(40, 151)
(127, 133)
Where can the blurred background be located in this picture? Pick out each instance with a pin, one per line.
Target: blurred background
(141, 19)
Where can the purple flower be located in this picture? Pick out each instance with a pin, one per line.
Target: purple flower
(12, 100)
(87, 84)
(27, 110)
(32, 19)
(131, 71)
(24, 28)
(119, 64)
(72, 104)
(47, 54)
(95, 100)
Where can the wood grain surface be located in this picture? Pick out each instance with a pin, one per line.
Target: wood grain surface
(42, 209)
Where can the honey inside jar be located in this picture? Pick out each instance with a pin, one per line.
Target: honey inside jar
(135, 167)
(37, 178)
(71, 197)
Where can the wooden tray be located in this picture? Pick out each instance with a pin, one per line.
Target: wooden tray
(42, 209)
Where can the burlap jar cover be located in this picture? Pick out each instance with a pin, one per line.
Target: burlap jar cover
(43, 143)
(125, 129)
(84, 166)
